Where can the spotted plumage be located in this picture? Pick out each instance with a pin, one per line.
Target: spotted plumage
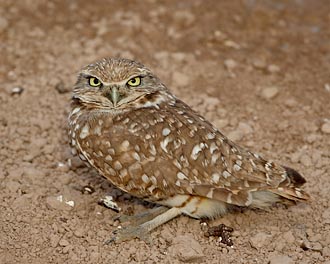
(132, 130)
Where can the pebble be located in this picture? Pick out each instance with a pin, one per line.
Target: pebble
(289, 237)
(259, 63)
(221, 123)
(54, 239)
(180, 79)
(232, 44)
(326, 216)
(33, 174)
(79, 232)
(58, 204)
(241, 130)
(306, 160)
(12, 186)
(311, 138)
(235, 135)
(245, 128)
(63, 242)
(61, 88)
(259, 240)
(186, 249)
(269, 92)
(327, 87)
(3, 23)
(94, 257)
(17, 90)
(326, 252)
(63, 167)
(230, 64)
(325, 128)
(315, 246)
(290, 102)
(280, 259)
(272, 68)
(211, 103)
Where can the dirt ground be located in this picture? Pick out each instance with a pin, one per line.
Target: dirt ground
(259, 70)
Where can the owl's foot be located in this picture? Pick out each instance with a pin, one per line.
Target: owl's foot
(129, 233)
(143, 217)
(141, 231)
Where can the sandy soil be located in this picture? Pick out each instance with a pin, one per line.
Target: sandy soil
(259, 70)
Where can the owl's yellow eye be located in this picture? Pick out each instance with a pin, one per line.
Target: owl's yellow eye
(94, 82)
(136, 81)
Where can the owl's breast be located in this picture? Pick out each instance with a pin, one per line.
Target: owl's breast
(124, 149)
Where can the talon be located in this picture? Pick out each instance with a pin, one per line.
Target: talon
(110, 241)
(121, 235)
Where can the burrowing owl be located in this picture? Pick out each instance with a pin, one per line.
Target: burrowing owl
(127, 125)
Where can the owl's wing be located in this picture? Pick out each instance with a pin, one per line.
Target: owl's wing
(212, 166)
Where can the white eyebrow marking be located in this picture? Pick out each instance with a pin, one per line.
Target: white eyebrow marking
(87, 74)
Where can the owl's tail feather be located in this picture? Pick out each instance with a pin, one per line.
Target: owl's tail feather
(285, 195)
(287, 192)
(292, 191)
(295, 177)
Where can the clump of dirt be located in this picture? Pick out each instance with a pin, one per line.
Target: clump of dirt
(258, 70)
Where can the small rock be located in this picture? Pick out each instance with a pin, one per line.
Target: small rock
(29, 157)
(12, 186)
(61, 88)
(221, 123)
(272, 68)
(211, 103)
(311, 138)
(290, 102)
(33, 174)
(235, 135)
(186, 249)
(245, 128)
(269, 92)
(63, 242)
(54, 239)
(283, 125)
(326, 252)
(232, 44)
(280, 259)
(87, 189)
(259, 240)
(326, 216)
(66, 249)
(327, 87)
(289, 237)
(17, 90)
(3, 23)
(95, 257)
(316, 246)
(306, 160)
(230, 64)
(63, 167)
(325, 128)
(58, 203)
(219, 34)
(79, 232)
(22, 201)
(259, 63)
(108, 202)
(180, 79)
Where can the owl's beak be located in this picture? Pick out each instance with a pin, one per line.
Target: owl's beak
(113, 95)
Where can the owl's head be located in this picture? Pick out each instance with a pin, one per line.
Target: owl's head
(116, 84)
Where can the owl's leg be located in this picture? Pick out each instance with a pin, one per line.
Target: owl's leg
(143, 217)
(142, 230)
